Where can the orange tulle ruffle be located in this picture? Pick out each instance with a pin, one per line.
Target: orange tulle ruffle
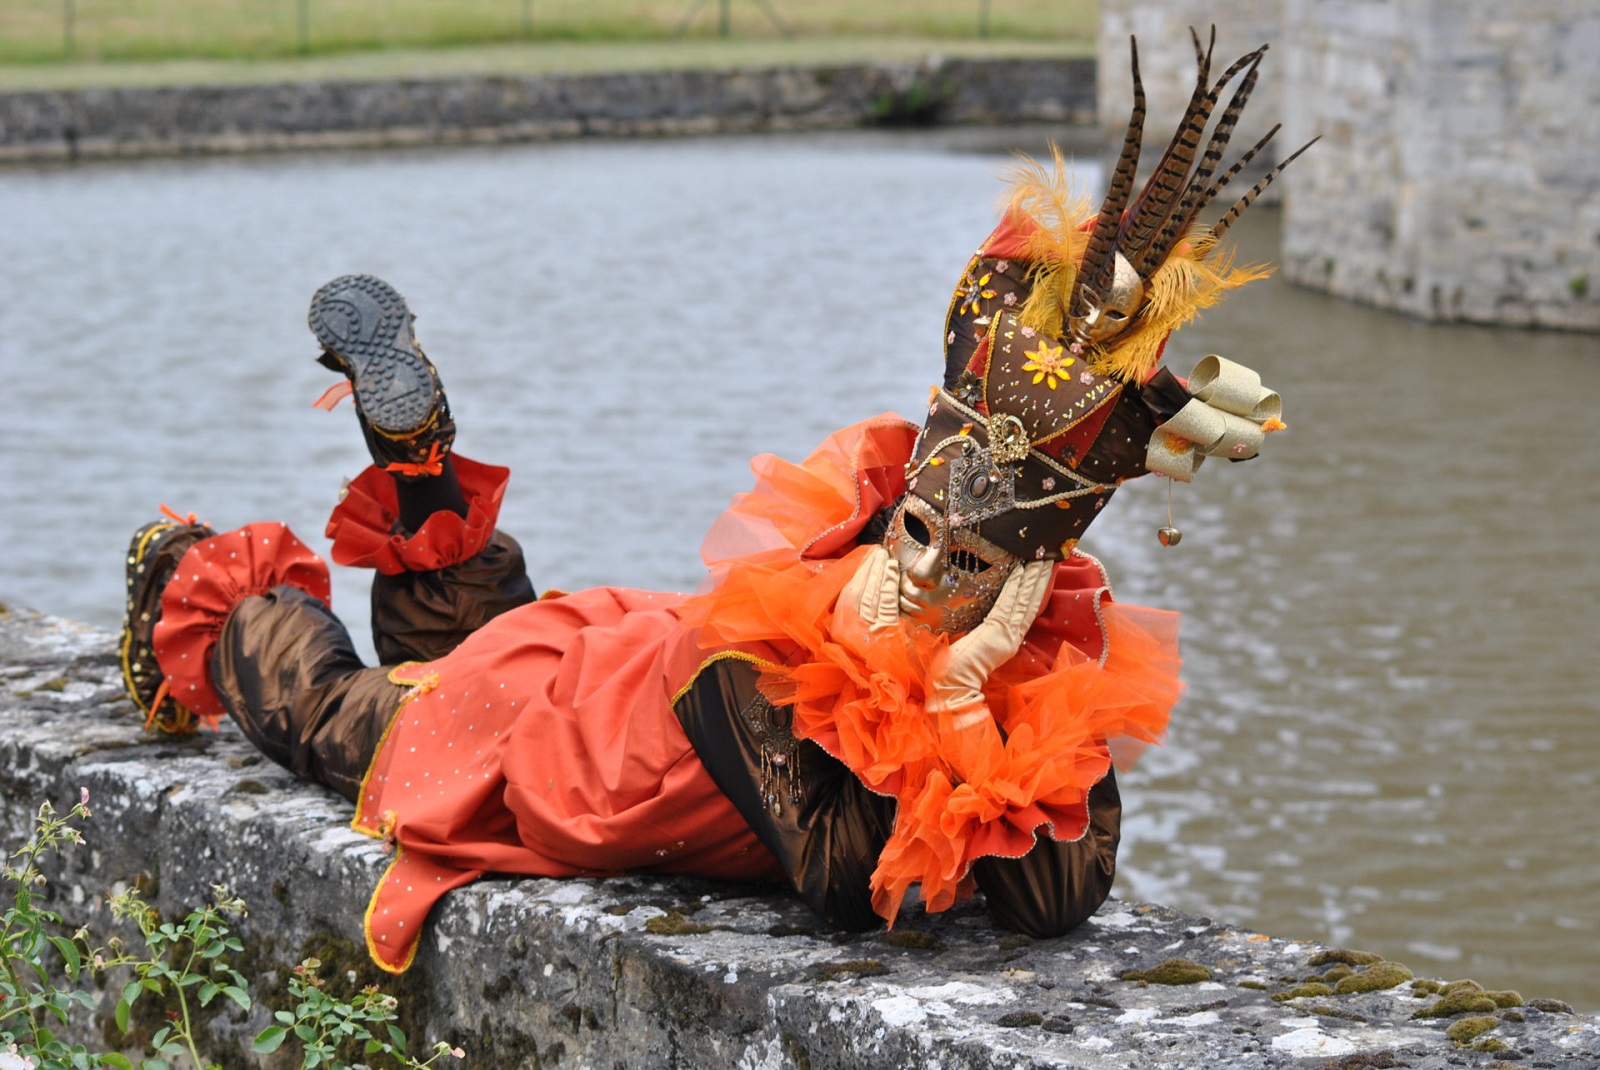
(1092, 676)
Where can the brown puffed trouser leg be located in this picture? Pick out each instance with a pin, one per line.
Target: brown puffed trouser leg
(1054, 888)
(827, 829)
(820, 822)
(290, 677)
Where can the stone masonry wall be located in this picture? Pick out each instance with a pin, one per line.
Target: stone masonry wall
(91, 123)
(1459, 174)
(1458, 177)
(646, 973)
(1167, 67)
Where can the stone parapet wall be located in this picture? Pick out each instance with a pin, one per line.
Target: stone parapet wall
(97, 123)
(1459, 173)
(648, 973)
(1458, 177)
(1167, 65)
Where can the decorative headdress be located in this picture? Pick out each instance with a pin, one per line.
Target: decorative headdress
(1052, 393)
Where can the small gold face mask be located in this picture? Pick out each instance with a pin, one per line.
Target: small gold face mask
(948, 580)
(1109, 316)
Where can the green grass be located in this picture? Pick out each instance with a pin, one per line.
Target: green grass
(538, 57)
(75, 32)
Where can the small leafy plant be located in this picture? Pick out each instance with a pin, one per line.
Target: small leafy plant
(185, 965)
(324, 1025)
(31, 1006)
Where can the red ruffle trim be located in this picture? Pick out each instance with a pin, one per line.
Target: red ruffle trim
(215, 575)
(362, 525)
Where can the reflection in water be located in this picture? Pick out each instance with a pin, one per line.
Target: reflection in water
(1392, 709)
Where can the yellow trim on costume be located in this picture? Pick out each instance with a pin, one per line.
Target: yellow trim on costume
(366, 925)
(737, 655)
(955, 298)
(424, 683)
(127, 632)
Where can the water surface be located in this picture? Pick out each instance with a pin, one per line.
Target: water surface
(1389, 735)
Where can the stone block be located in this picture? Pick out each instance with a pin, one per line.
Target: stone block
(646, 972)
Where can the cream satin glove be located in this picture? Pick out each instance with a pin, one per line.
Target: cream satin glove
(874, 591)
(957, 691)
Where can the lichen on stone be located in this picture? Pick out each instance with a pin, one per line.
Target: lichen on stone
(1468, 1029)
(1171, 972)
(1375, 978)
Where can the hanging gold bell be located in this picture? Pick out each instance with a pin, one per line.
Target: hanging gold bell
(1169, 536)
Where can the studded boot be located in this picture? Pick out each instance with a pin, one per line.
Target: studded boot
(153, 556)
(364, 327)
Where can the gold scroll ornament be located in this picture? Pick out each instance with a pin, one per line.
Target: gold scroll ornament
(1228, 415)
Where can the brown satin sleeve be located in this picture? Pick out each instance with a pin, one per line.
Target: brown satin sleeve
(1055, 887)
(807, 808)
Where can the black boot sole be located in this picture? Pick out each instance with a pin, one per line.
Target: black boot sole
(366, 324)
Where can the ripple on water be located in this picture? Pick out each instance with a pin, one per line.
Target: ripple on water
(1389, 732)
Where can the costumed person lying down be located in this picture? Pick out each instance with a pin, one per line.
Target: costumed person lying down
(900, 673)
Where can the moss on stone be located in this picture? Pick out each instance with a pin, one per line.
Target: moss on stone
(1425, 987)
(1259, 986)
(1551, 1006)
(1015, 942)
(1333, 976)
(673, 923)
(799, 1057)
(1328, 1010)
(1491, 1044)
(1468, 1029)
(1171, 972)
(1375, 978)
(784, 929)
(836, 971)
(1315, 988)
(1345, 956)
(55, 683)
(915, 940)
(251, 787)
(1506, 998)
(1459, 997)
(1019, 1019)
